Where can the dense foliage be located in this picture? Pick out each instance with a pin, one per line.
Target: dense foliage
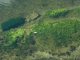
(57, 12)
(61, 33)
(13, 36)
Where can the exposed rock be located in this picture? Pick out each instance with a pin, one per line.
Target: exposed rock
(32, 16)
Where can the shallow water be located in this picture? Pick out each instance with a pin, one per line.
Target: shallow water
(4, 1)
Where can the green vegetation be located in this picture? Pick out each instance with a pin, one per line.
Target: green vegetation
(61, 33)
(55, 35)
(13, 35)
(12, 23)
(57, 12)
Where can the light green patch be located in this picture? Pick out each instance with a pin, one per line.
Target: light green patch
(57, 12)
(12, 35)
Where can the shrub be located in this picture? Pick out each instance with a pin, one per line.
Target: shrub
(12, 23)
(57, 13)
(13, 35)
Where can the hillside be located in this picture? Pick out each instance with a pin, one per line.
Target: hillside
(40, 30)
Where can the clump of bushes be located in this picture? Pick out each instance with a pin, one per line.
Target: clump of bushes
(60, 33)
(57, 12)
(12, 23)
(13, 36)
